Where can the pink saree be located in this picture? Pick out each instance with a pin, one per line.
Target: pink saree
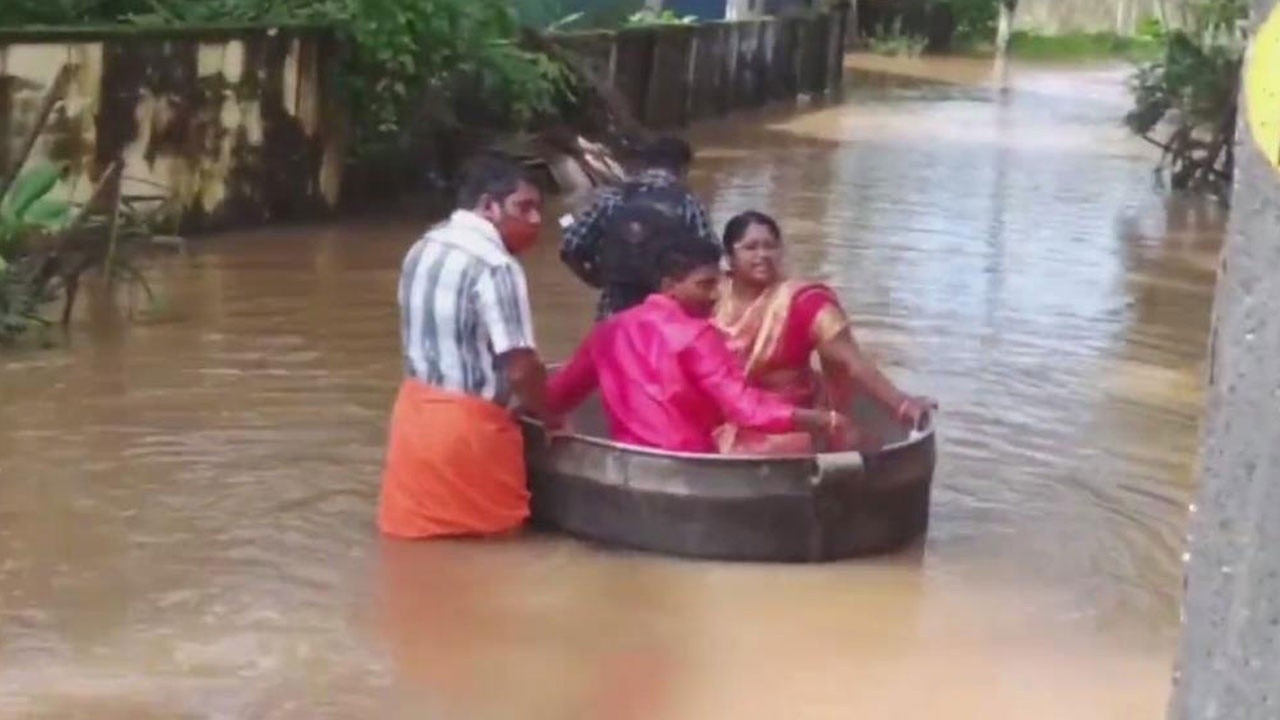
(777, 336)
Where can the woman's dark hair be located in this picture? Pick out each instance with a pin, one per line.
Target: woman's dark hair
(491, 174)
(737, 228)
(678, 257)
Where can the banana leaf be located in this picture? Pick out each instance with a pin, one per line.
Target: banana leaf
(31, 185)
(47, 213)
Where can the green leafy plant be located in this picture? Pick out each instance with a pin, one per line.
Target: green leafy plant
(975, 19)
(406, 63)
(20, 302)
(648, 16)
(110, 237)
(1185, 101)
(1150, 29)
(1075, 46)
(893, 41)
(26, 210)
(47, 244)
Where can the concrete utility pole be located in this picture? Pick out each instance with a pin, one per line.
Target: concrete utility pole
(739, 9)
(1004, 32)
(1229, 660)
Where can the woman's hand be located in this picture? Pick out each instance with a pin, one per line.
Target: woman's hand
(914, 411)
(825, 422)
(557, 428)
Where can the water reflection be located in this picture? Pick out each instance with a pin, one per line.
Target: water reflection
(590, 638)
(186, 501)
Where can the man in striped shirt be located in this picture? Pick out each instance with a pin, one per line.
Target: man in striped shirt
(455, 456)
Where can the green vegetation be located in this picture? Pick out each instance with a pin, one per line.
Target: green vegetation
(1185, 89)
(1082, 46)
(975, 20)
(47, 245)
(417, 74)
(550, 15)
(26, 207)
(894, 42)
(651, 17)
(400, 56)
(407, 55)
(1185, 101)
(18, 13)
(977, 26)
(25, 211)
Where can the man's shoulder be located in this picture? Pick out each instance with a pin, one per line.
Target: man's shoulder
(450, 240)
(604, 196)
(677, 329)
(609, 192)
(672, 189)
(693, 203)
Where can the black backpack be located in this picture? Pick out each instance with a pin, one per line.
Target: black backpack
(646, 218)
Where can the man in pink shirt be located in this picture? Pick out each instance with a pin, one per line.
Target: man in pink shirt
(666, 375)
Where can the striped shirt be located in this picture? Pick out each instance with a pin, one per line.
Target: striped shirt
(464, 303)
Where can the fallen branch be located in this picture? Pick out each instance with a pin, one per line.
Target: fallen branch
(1173, 150)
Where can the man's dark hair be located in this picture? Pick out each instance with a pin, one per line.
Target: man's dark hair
(678, 257)
(491, 174)
(630, 148)
(667, 153)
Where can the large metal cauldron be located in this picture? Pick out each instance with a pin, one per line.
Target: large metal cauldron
(796, 509)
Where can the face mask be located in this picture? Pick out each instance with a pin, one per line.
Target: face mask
(517, 234)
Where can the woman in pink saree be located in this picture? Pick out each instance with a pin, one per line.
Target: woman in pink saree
(778, 326)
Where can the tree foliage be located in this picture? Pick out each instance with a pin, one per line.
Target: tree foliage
(1189, 95)
(401, 57)
(975, 19)
(575, 14)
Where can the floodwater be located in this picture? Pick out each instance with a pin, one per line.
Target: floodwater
(186, 500)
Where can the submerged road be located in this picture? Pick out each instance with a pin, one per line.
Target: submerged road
(186, 502)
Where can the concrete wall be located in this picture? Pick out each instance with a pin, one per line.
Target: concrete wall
(1229, 660)
(237, 125)
(672, 75)
(1044, 17)
(242, 126)
(1056, 17)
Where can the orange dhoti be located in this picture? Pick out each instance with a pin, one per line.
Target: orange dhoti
(455, 467)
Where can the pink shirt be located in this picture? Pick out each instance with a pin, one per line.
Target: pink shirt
(667, 380)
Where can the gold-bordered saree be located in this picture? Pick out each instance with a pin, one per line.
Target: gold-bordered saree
(777, 336)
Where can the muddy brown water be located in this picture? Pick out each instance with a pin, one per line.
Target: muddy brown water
(186, 501)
